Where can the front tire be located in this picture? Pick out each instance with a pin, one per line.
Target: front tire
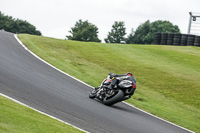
(116, 98)
(92, 94)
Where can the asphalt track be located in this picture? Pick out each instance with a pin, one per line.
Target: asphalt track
(30, 81)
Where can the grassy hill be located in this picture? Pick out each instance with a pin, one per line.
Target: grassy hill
(167, 76)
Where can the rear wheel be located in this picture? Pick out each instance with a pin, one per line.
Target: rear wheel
(117, 97)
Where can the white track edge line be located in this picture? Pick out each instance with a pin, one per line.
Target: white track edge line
(42, 112)
(159, 118)
(15, 35)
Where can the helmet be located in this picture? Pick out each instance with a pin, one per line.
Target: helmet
(129, 74)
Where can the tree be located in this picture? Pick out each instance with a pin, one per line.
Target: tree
(117, 33)
(16, 25)
(84, 31)
(140, 34)
(161, 27)
(130, 38)
(20, 26)
(144, 34)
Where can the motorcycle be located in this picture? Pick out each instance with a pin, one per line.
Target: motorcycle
(120, 92)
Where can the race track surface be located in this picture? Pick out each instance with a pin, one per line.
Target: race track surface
(30, 81)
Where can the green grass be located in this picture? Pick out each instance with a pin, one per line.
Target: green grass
(167, 76)
(15, 118)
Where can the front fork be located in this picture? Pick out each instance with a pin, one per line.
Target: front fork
(104, 92)
(100, 93)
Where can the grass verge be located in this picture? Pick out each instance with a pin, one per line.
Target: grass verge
(15, 118)
(167, 76)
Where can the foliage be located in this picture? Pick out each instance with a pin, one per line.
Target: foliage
(9, 24)
(140, 33)
(84, 31)
(144, 34)
(117, 33)
(130, 38)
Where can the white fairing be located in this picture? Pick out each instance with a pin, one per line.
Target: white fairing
(125, 84)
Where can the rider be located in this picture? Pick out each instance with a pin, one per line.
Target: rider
(115, 80)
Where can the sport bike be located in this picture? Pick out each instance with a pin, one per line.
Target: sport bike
(123, 90)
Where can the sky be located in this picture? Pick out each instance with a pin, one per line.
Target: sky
(55, 18)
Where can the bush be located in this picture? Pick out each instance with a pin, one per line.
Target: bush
(10, 24)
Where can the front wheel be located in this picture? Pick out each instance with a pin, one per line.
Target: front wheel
(117, 97)
(92, 94)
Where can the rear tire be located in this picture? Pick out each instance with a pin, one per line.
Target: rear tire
(116, 98)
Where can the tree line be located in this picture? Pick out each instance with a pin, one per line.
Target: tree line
(144, 34)
(10, 24)
(86, 31)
